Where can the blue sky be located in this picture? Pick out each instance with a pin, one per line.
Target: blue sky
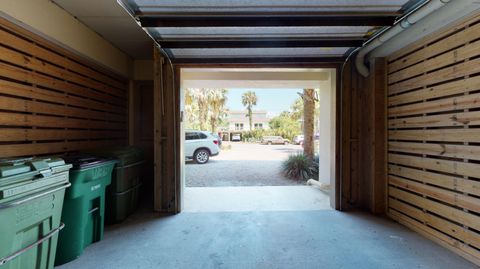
(272, 100)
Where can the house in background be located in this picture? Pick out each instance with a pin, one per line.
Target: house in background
(238, 123)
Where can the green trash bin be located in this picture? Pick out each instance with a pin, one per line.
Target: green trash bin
(31, 200)
(123, 193)
(84, 206)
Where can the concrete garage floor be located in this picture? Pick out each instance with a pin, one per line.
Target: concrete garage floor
(264, 198)
(280, 239)
(243, 165)
(262, 227)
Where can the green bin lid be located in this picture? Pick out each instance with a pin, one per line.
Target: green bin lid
(85, 161)
(27, 174)
(125, 154)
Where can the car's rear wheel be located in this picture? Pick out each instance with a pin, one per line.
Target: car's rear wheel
(201, 156)
(269, 142)
(285, 143)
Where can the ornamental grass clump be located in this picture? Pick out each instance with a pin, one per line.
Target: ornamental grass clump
(300, 167)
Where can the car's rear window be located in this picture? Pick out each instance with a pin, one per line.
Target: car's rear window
(191, 136)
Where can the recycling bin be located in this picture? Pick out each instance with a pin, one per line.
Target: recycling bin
(84, 206)
(31, 200)
(123, 193)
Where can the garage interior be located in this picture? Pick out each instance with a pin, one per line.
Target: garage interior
(86, 74)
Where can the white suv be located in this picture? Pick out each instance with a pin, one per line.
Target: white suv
(200, 145)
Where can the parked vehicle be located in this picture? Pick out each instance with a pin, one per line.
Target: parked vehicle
(236, 137)
(200, 146)
(298, 139)
(278, 140)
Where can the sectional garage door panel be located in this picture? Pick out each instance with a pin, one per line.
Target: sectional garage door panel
(434, 137)
(52, 101)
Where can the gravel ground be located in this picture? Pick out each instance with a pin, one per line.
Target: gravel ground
(243, 165)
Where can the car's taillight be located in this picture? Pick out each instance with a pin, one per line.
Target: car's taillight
(215, 142)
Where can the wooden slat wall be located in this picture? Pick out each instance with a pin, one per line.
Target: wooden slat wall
(434, 137)
(52, 101)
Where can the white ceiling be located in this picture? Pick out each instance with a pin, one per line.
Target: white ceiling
(109, 20)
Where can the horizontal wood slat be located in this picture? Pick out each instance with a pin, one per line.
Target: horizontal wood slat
(444, 120)
(21, 105)
(32, 63)
(446, 196)
(26, 45)
(446, 44)
(26, 76)
(441, 209)
(436, 149)
(21, 134)
(451, 57)
(25, 91)
(446, 166)
(28, 120)
(53, 102)
(440, 135)
(454, 183)
(433, 118)
(438, 223)
(52, 148)
(448, 104)
(445, 74)
(440, 238)
(464, 85)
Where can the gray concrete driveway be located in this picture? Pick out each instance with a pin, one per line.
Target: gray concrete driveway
(243, 165)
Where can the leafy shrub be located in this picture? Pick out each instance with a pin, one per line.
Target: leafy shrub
(300, 167)
(254, 135)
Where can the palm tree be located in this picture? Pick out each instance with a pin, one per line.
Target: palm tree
(249, 99)
(308, 122)
(199, 99)
(217, 99)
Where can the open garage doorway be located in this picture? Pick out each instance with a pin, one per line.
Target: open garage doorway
(239, 128)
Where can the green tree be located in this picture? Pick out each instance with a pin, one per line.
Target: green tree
(191, 110)
(249, 99)
(205, 108)
(217, 99)
(297, 109)
(284, 125)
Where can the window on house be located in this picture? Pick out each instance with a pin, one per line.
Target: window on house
(258, 125)
(238, 126)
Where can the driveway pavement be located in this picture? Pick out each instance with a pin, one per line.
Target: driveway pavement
(243, 165)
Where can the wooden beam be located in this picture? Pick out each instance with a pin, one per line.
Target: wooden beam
(262, 43)
(131, 114)
(379, 188)
(267, 21)
(157, 135)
